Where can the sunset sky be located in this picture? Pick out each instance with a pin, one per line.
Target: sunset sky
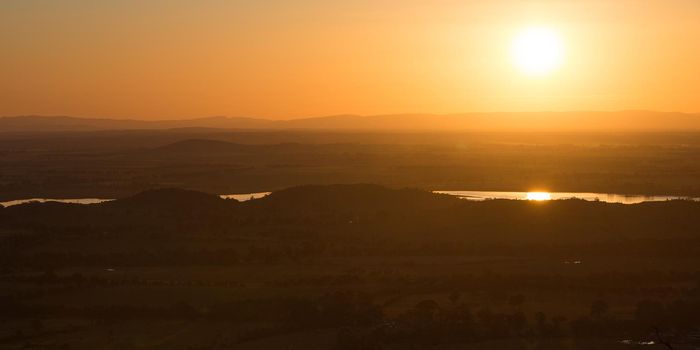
(286, 59)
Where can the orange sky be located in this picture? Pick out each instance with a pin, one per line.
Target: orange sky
(285, 59)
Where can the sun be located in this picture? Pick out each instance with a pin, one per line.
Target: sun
(537, 51)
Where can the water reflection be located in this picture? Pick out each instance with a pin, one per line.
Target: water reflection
(540, 196)
(637, 342)
(245, 196)
(241, 197)
(468, 195)
(44, 200)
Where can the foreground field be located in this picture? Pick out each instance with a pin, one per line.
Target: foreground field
(249, 306)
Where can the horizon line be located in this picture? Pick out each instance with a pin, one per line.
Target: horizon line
(342, 115)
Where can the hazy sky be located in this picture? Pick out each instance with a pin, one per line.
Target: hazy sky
(292, 58)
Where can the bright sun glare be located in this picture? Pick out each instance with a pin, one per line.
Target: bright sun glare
(537, 51)
(538, 196)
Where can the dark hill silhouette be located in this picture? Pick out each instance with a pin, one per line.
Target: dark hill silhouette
(357, 215)
(347, 202)
(170, 199)
(506, 121)
(160, 209)
(169, 209)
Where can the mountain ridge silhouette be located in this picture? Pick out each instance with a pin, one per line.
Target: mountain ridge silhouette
(632, 120)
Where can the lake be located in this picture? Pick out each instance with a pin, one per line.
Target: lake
(241, 197)
(538, 196)
(245, 196)
(467, 195)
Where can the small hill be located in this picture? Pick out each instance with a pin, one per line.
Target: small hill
(169, 199)
(348, 201)
(160, 209)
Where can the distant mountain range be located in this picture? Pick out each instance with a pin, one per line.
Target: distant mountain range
(564, 121)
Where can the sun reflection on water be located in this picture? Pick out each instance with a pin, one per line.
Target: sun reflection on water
(538, 196)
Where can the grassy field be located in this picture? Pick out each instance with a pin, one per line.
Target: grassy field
(557, 289)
